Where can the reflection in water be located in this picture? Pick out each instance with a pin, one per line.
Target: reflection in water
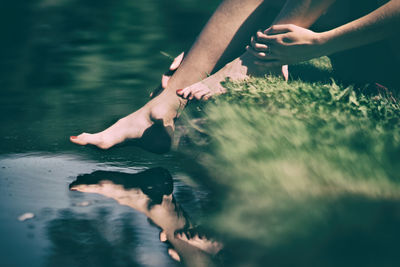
(71, 64)
(150, 192)
(68, 224)
(82, 241)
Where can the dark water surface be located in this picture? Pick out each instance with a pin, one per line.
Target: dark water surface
(70, 66)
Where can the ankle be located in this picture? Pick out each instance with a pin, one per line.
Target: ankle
(169, 102)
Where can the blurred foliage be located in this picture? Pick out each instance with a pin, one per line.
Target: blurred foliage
(284, 156)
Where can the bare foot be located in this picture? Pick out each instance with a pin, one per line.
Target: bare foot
(201, 242)
(239, 69)
(152, 127)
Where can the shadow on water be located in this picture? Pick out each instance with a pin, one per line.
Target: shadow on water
(92, 241)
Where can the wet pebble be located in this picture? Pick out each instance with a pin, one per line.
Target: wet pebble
(26, 216)
(83, 204)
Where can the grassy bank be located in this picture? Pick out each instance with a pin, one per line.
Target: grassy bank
(304, 167)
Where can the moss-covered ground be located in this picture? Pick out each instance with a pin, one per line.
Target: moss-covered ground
(308, 170)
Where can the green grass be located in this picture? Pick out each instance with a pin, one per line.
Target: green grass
(287, 157)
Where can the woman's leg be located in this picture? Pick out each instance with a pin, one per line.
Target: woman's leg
(224, 36)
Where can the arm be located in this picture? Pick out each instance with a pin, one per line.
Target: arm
(382, 23)
(302, 13)
(295, 12)
(288, 44)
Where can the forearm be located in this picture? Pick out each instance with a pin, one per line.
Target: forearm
(302, 13)
(380, 24)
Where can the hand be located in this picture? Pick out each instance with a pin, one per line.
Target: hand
(166, 76)
(285, 44)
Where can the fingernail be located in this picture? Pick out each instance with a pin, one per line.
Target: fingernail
(73, 189)
(179, 91)
(73, 137)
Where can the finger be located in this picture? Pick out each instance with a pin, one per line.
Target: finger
(177, 61)
(264, 38)
(260, 55)
(285, 72)
(164, 81)
(258, 46)
(277, 29)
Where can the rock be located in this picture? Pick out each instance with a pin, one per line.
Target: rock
(26, 216)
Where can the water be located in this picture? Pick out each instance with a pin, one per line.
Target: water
(73, 66)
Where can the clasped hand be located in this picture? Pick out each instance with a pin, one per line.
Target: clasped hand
(285, 44)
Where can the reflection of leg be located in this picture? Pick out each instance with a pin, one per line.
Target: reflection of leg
(149, 192)
(227, 30)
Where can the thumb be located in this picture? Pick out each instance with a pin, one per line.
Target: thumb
(277, 29)
(285, 72)
(177, 61)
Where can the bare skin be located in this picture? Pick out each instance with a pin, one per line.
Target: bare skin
(168, 215)
(240, 69)
(303, 12)
(223, 35)
(288, 43)
(220, 37)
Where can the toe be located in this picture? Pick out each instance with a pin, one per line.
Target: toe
(201, 93)
(81, 139)
(207, 96)
(186, 92)
(92, 139)
(85, 188)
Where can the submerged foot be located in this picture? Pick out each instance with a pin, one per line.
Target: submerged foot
(238, 70)
(152, 127)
